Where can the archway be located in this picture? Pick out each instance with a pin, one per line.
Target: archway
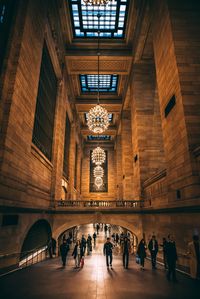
(37, 237)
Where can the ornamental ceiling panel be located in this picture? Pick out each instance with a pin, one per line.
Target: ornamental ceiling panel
(119, 65)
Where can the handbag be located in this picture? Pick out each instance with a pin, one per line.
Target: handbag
(82, 262)
(137, 259)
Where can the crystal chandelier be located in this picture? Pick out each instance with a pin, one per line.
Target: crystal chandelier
(98, 171)
(98, 156)
(96, 2)
(98, 182)
(98, 117)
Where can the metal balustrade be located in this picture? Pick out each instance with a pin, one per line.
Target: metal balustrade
(24, 259)
(100, 203)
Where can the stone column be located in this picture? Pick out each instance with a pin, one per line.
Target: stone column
(176, 40)
(72, 159)
(127, 156)
(118, 161)
(147, 139)
(58, 143)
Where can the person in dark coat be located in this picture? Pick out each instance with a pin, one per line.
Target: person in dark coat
(153, 248)
(107, 250)
(89, 244)
(141, 252)
(94, 238)
(163, 245)
(117, 238)
(64, 248)
(83, 244)
(126, 249)
(171, 255)
(98, 227)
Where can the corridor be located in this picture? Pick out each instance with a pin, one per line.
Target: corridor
(49, 280)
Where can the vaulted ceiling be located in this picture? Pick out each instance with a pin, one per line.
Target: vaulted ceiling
(125, 39)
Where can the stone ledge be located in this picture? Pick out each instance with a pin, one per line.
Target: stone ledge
(159, 175)
(41, 157)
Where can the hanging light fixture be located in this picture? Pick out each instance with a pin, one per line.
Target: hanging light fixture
(96, 2)
(98, 156)
(98, 182)
(98, 171)
(98, 117)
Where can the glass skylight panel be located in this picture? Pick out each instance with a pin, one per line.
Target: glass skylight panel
(99, 137)
(107, 83)
(112, 22)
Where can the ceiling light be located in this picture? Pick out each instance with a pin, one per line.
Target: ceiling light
(98, 182)
(98, 156)
(98, 117)
(98, 171)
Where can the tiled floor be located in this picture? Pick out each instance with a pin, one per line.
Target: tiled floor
(48, 280)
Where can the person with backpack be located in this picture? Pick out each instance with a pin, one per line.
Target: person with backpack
(64, 248)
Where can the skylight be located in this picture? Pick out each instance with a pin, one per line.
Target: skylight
(112, 21)
(107, 83)
(98, 137)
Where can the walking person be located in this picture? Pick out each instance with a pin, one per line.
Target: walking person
(163, 245)
(64, 248)
(97, 227)
(53, 246)
(116, 238)
(125, 250)
(153, 248)
(105, 229)
(77, 254)
(83, 244)
(171, 255)
(194, 256)
(107, 250)
(141, 252)
(94, 238)
(89, 244)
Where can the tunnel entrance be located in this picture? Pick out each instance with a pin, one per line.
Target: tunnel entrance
(35, 245)
(116, 234)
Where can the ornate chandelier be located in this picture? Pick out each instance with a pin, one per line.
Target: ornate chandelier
(98, 171)
(98, 182)
(96, 2)
(98, 156)
(98, 117)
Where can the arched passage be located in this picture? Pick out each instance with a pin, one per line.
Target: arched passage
(64, 222)
(38, 235)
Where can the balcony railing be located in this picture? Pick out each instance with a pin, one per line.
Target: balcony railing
(100, 203)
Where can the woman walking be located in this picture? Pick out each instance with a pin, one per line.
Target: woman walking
(142, 252)
(77, 254)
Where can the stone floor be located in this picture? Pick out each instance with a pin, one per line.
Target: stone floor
(48, 280)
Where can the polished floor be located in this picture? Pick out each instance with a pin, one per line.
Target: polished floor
(49, 280)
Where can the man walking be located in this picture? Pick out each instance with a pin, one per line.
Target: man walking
(64, 248)
(94, 238)
(125, 249)
(153, 248)
(171, 255)
(107, 250)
